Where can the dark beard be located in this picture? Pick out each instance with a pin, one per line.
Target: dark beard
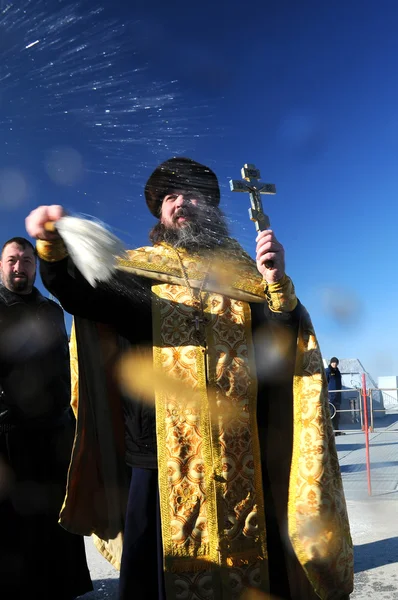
(18, 287)
(207, 231)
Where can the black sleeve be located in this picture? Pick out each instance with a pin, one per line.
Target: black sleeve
(105, 303)
(275, 342)
(261, 312)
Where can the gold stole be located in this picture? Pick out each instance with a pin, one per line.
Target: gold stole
(233, 272)
(208, 451)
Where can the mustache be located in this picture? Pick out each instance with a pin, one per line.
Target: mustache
(182, 212)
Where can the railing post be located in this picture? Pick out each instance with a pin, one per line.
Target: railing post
(370, 392)
(366, 427)
(360, 408)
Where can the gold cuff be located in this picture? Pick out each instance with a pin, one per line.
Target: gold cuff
(51, 251)
(281, 296)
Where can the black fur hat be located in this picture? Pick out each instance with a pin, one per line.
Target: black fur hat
(334, 360)
(184, 173)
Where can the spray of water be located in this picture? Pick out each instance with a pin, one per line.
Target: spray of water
(73, 73)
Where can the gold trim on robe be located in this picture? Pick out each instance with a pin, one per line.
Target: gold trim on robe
(317, 514)
(51, 250)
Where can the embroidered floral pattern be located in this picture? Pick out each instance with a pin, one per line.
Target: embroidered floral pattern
(209, 497)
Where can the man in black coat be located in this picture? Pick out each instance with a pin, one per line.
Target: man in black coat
(333, 377)
(38, 558)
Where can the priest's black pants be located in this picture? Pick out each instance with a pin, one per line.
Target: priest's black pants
(141, 571)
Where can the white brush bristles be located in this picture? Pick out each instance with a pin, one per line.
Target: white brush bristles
(91, 246)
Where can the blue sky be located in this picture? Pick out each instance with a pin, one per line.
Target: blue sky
(92, 99)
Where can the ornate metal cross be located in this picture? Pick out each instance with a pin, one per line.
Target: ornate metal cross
(250, 183)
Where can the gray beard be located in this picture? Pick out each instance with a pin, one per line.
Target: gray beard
(207, 232)
(191, 237)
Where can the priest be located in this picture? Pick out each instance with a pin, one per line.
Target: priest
(223, 477)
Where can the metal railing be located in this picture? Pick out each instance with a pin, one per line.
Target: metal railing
(393, 404)
(355, 406)
(367, 410)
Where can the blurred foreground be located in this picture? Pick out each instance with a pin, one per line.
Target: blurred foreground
(374, 520)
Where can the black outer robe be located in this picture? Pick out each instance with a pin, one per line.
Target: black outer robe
(39, 560)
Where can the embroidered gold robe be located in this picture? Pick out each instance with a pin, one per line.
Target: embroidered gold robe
(211, 496)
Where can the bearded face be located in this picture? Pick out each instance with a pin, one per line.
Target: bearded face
(188, 220)
(18, 268)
